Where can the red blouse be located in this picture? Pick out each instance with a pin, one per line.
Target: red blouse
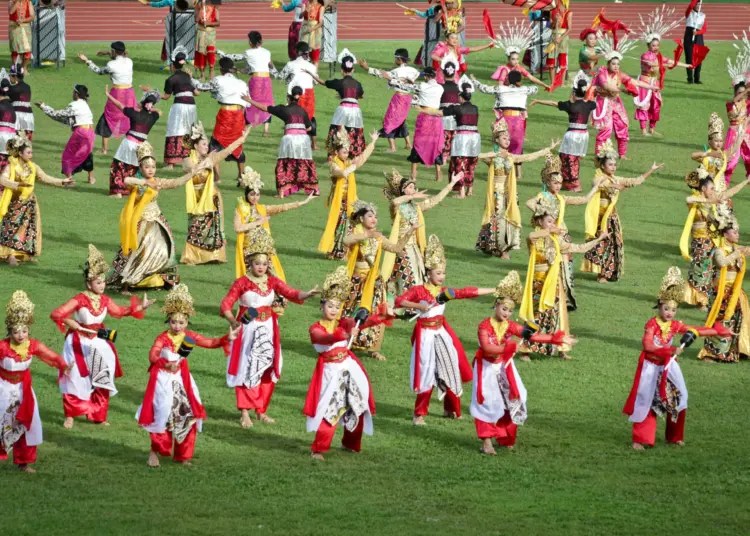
(81, 301)
(164, 340)
(244, 284)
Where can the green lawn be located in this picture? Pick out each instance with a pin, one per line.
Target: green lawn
(572, 471)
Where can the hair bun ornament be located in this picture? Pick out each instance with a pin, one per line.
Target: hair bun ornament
(346, 55)
(466, 81)
(250, 179)
(179, 55)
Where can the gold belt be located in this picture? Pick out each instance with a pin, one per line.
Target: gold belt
(337, 358)
(87, 127)
(262, 75)
(430, 109)
(231, 107)
(512, 113)
(122, 86)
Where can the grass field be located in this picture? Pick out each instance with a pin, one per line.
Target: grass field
(572, 471)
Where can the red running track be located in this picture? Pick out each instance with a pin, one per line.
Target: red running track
(107, 21)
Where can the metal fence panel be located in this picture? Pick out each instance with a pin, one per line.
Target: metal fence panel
(180, 28)
(45, 40)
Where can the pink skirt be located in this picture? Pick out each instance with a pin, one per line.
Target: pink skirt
(428, 138)
(397, 112)
(517, 131)
(77, 150)
(261, 91)
(116, 120)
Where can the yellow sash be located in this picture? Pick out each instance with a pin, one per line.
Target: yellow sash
(206, 202)
(687, 232)
(549, 289)
(721, 288)
(326, 241)
(592, 210)
(244, 210)
(512, 213)
(389, 258)
(131, 215)
(719, 175)
(368, 290)
(25, 190)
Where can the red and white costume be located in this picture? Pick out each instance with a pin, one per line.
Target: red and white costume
(86, 390)
(255, 361)
(502, 72)
(437, 357)
(20, 425)
(172, 411)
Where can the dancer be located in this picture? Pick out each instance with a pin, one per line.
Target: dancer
(498, 399)
(405, 270)
(296, 74)
(394, 122)
(21, 225)
(451, 97)
(295, 167)
(544, 302)
(89, 347)
(514, 38)
(146, 258)
(113, 122)
(607, 260)
(437, 356)
(501, 223)
(230, 92)
(78, 154)
(659, 388)
(8, 121)
(295, 28)
(312, 29)
(727, 300)
(716, 159)
(737, 113)
(251, 213)
(21, 425)
(366, 245)
(588, 56)
(696, 244)
(183, 113)
(340, 389)
(561, 21)
(206, 241)
(172, 412)
(259, 88)
(451, 50)
(20, 15)
(343, 194)
(142, 120)
(695, 28)
(20, 96)
(575, 142)
(207, 20)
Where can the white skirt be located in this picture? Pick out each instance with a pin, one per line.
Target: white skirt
(649, 384)
(181, 118)
(449, 122)
(80, 386)
(126, 152)
(428, 361)
(25, 121)
(575, 142)
(10, 395)
(296, 146)
(493, 408)
(466, 144)
(348, 116)
(249, 333)
(163, 396)
(4, 138)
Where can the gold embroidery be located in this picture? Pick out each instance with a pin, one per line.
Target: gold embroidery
(329, 325)
(21, 349)
(433, 289)
(95, 299)
(664, 326)
(261, 281)
(500, 328)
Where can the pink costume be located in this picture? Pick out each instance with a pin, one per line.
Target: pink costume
(501, 73)
(737, 112)
(610, 113)
(442, 50)
(648, 102)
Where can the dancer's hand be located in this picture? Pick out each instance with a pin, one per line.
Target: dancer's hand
(555, 143)
(422, 194)
(363, 63)
(83, 58)
(146, 303)
(233, 332)
(424, 306)
(39, 104)
(309, 198)
(245, 133)
(456, 177)
(106, 89)
(656, 166)
(312, 292)
(68, 183)
(374, 135)
(66, 370)
(678, 351)
(569, 340)
(354, 333)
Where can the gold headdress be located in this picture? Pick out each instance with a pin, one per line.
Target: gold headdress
(552, 166)
(607, 152)
(15, 145)
(434, 254)
(715, 126)
(544, 206)
(144, 151)
(364, 207)
(336, 286)
(509, 289)
(250, 179)
(393, 180)
(179, 302)
(672, 286)
(95, 265)
(500, 127)
(694, 178)
(258, 242)
(341, 140)
(194, 136)
(722, 221)
(19, 311)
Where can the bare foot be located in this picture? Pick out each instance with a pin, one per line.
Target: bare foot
(315, 148)
(126, 293)
(657, 134)
(624, 157)
(102, 151)
(377, 356)
(116, 196)
(170, 166)
(638, 446)
(317, 456)
(68, 423)
(487, 448)
(525, 357)
(644, 133)
(391, 150)
(602, 280)
(92, 179)
(565, 356)
(153, 459)
(510, 447)
(26, 468)
(262, 417)
(679, 443)
(103, 423)
(470, 192)
(186, 463)
(418, 420)
(408, 147)
(450, 415)
(347, 449)
(12, 261)
(245, 420)
(505, 255)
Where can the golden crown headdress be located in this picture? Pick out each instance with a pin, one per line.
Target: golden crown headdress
(552, 166)
(194, 136)
(337, 285)
(95, 265)
(672, 286)
(363, 207)
(393, 184)
(607, 152)
(341, 140)
(509, 289)
(144, 151)
(434, 254)
(19, 311)
(715, 125)
(179, 301)
(544, 206)
(15, 145)
(258, 242)
(499, 127)
(250, 179)
(694, 178)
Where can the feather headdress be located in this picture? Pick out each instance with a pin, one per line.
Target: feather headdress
(672, 286)
(658, 23)
(514, 37)
(606, 46)
(739, 71)
(742, 44)
(19, 311)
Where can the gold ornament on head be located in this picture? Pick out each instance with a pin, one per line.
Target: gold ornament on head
(179, 301)
(19, 311)
(500, 127)
(715, 126)
(95, 265)
(341, 140)
(672, 286)
(722, 221)
(509, 289)
(258, 242)
(552, 167)
(337, 286)
(393, 184)
(194, 136)
(363, 207)
(607, 152)
(250, 179)
(434, 254)
(544, 206)
(694, 178)
(144, 151)
(15, 145)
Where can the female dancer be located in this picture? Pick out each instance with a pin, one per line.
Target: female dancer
(501, 223)
(295, 167)
(255, 361)
(366, 245)
(77, 155)
(142, 120)
(20, 15)
(172, 411)
(21, 225)
(95, 364)
(20, 423)
(576, 139)
(343, 194)
(544, 301)
(206, 242)
(339, 389)
(295, 74)
(561, 20)
(607, 260)
(405, 270)
(113, 121)
(437, 357)
(451, 97)
(696, 245)
(737, 113)
(588, 56)
(498, 398)
(728, 301)
(451, 48)
(514, 39)
(295, 28)
(207, 20)
(466, 143)
(659, 388)
(716, 159)
(312, 28)
(8, 121)
(20, 96)
(259, 65)
(147, 248)
(183, 113)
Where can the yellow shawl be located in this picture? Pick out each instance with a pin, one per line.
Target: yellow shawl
(389, 258)
(245, 210)
(593, 224)
(326, 242)
(687, 231)
(206, 202)
(25, 190)
(713, 315)
(549, 289)
(131, 215)
(368, 290)
(512, 213)
(718, 174)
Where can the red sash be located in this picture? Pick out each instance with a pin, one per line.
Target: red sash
(146, 417)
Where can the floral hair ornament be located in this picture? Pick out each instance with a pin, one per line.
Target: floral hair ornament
(544, 206)
(16, 144)
(606, 152)
(694, 178)
(347, 60)
(194, 136)
(250, 179)
(341, 139)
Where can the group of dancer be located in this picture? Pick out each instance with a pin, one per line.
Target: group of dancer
(398, 277)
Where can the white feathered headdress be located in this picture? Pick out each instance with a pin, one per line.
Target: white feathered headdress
(449, 58)
(514, 37)
(177, 50)
(344, 54)
(743, 44)
(580, 75)
(466, 80)
(658, 23)
(606, 46)
(739, 71)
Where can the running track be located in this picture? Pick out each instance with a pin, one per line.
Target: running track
(132, 21)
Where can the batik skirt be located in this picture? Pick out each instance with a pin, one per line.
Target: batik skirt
(181, 118)
(369, 339)
(701, 273)
(206, 242)
(607, 258)
(549, 321)
(21, 230)
(729, 349)
(343, 228)
(349, 116)
(295, 167)
(408, 272)
(498, 236)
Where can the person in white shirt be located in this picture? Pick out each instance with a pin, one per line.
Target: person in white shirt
(296, 73)
(394, 122)
(113, 122)
(695, 27)
(230, 120)
(77, 115)
(259, 65)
